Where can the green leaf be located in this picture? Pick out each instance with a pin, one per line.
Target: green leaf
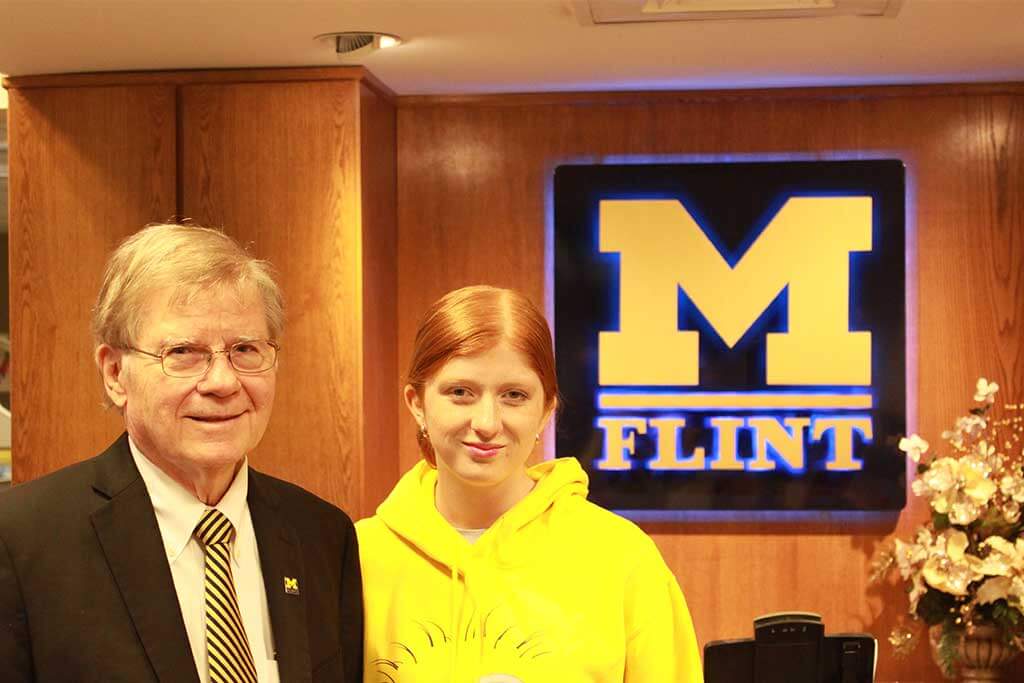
(940, 520)
(1008, 618)
(948, 642)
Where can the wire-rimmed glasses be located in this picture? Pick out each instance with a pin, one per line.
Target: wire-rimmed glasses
(250, 357)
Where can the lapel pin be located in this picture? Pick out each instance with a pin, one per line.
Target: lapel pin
(291, 586)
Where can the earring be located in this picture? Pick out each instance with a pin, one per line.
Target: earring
(536, 439)
(423, 433)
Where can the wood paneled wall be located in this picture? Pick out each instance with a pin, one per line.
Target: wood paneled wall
(473, 178)
(276, 158)
(88, 168)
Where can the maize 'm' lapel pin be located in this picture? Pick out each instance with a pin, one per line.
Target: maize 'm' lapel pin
(291, 586)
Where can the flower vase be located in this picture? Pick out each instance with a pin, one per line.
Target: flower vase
(980, 655)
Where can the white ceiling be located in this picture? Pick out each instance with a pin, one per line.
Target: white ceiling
(481, 46)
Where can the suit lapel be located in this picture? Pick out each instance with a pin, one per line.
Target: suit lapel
(130, 538)
(280, 558)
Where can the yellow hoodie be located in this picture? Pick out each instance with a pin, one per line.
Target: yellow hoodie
(557, 590)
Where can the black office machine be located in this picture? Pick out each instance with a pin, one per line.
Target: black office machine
(791, 647)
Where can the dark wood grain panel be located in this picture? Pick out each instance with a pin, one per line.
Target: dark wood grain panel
(88, 167)
(473, 178)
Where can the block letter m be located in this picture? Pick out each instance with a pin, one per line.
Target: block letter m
(806, 246)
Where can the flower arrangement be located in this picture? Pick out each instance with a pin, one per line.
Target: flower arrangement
(965, 566)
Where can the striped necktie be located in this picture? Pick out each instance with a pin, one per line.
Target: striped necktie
(228, 655)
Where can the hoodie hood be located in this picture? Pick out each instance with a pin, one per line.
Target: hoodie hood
(409, 511)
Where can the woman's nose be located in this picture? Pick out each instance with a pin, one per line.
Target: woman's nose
(486, 419)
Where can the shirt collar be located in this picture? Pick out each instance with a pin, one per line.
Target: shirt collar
(177, 509)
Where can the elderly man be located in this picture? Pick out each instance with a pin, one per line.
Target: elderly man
(167, 558)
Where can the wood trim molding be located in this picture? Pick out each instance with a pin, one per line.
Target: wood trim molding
(633, 97)
(202, 76)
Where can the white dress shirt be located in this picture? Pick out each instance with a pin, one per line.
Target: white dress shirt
(177, 513)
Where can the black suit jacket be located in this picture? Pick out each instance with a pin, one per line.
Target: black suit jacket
(86, 592)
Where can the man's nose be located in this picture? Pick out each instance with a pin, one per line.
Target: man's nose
(220, 379)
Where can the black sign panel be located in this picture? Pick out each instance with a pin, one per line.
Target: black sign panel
(731, 336)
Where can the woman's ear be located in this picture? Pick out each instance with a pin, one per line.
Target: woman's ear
(110, 362)
(415, 405)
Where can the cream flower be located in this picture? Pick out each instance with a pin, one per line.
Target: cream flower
(975, 479)
(971, 424)
(917, 589)
(985, 391)
(955, 438)
(1003, 557)
(1011, 511)
(1002, 588)
(985, 450)
(949, 568)
(966, 426)
(914, 447)
(963, 512)
(940, 477)
(959, 487)
(996, 588)
(909, 557)
(1012, 486)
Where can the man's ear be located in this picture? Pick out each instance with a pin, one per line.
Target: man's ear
(110, 362)
(415, 405)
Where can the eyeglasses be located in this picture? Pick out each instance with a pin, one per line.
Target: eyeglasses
(192, 360)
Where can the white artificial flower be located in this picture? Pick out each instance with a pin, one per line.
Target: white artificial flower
(984, 449)
(1002, 557)
(955, 438)
(985, 391)
(996, 588)
(971, 425)
(914, 447)
(917, 589)
(1011, 512)
(949, 568)
(941, 475)
(1012, 486)
(958, 488)
(909, 557)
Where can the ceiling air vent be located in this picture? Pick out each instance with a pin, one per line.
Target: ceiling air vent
(349, 43)
(590, 12)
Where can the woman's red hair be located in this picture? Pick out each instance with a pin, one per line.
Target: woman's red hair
(472, 320)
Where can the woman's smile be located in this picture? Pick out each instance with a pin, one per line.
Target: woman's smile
(482, 451)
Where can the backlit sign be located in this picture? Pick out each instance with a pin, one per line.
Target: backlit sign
(731, 335)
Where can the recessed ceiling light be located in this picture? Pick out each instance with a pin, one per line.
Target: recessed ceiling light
(593, 12)
(359, 42)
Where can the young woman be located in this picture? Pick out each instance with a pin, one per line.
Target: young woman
(481, 569)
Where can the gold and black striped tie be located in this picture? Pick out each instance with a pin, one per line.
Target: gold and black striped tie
(227, 649)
